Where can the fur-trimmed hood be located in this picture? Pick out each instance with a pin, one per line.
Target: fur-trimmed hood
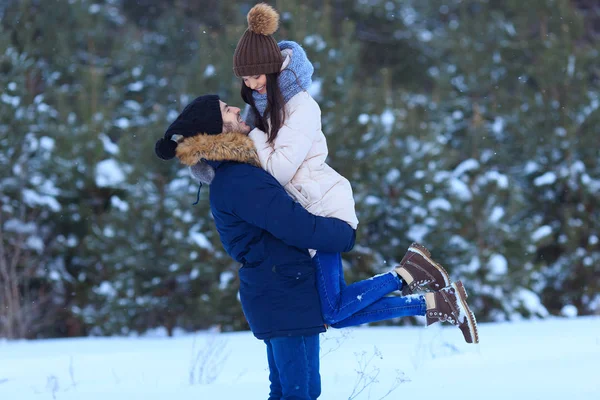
(233, 146)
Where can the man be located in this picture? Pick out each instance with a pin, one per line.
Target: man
(261, 227)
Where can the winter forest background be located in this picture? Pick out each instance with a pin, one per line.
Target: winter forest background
(470, 126)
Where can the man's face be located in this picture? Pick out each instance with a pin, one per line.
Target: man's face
(232, 121)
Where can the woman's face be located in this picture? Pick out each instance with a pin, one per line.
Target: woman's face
(256, 82)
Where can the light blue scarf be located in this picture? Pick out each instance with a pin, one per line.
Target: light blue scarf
(295, 78)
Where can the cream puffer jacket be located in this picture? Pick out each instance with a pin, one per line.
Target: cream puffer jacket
(297, 160)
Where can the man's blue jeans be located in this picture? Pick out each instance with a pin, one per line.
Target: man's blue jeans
(361, 302)
(294, 367)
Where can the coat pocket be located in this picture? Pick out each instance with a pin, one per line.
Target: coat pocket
(291, 273)
(306, 192)
(297, 195)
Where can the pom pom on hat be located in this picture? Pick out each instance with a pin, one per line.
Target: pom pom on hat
(165, 148)
(263, 19)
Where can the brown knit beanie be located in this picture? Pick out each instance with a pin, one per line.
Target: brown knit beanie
(257, 52)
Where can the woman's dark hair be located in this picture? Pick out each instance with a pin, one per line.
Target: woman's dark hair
(275, 107)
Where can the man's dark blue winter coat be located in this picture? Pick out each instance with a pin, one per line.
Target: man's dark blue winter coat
(263, 228)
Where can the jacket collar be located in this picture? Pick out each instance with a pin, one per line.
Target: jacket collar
(204, 153)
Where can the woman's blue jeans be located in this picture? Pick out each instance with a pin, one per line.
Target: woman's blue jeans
(294, 367)
(361, 302)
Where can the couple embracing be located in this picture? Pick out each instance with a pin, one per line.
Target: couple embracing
(286, 215)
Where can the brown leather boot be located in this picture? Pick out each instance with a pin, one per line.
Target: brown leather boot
(450, 305)
(420, 272)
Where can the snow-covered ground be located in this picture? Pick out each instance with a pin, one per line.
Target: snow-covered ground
(548, 359)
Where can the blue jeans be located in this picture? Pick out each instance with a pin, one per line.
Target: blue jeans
(294, 367)
(361, 302)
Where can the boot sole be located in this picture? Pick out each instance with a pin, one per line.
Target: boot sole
(464, 309)
(435, 264)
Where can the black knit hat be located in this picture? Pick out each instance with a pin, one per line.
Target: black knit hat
(201, 116)
(257, 52)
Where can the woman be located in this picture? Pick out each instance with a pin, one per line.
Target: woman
(292, 147)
